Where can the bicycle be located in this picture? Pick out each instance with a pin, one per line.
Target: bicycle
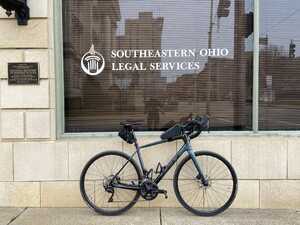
(204, 182)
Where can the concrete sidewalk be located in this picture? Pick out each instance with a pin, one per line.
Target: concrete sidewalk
(145, 216)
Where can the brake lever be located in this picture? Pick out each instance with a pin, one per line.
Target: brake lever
(200, 125)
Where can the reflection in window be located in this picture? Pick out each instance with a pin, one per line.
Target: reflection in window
(179, 82)
(279, 65)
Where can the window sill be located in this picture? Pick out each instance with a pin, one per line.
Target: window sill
(205, 133)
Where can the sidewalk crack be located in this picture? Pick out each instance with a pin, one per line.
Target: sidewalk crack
(14, 218)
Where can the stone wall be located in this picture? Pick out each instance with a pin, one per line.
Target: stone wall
(39, 170)
(46, 174)
(28, 111)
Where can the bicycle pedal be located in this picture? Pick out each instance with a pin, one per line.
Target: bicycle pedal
(164, 192)
(111, 199)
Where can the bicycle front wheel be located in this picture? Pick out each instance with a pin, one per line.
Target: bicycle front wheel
(213, 198)
(99, 175)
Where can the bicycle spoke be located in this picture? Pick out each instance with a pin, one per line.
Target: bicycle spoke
(209, 198)
(219, 172)
(103, 170)
(189, 172)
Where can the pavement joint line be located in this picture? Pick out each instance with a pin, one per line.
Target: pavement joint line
(17, 216)
(160, 219)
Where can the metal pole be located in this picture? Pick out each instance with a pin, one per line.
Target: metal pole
(255, 112)
(208, 61)
(210, 23)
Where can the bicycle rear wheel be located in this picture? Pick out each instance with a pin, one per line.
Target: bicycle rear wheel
(98, 175)
(205, 200)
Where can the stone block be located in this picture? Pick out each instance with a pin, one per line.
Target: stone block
(61, 194)
(218, 145)
(153, 155)
(12, 124)
(19, 194)
(293, 158)
(41, 57)
(260, 157)
(38, 124)
(279, 194)
(24, 96)
(6, 162)
(247, 195)
(39, 8)
(171, 201)
(9, 56)
(81, 151)
(38, 161)
(34, 35)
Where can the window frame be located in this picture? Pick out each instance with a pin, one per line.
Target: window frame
(59, 70)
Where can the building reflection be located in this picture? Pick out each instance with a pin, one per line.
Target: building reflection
(222, 87)
(279, 88)
(145, 32)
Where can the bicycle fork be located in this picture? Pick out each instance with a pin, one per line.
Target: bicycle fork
(191, 153)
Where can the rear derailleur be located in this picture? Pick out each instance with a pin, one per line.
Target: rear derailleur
(107, 184)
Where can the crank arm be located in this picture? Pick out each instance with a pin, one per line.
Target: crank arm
(164, 192)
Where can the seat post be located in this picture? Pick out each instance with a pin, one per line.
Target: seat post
(136, 144)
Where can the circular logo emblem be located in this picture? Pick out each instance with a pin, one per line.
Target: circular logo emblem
(92, 62)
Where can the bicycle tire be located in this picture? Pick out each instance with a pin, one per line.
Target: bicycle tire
(194, 209)
(89, 202)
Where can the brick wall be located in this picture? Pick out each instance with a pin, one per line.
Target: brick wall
(36, 170)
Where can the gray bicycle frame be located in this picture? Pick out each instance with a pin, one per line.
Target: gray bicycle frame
(185, 148)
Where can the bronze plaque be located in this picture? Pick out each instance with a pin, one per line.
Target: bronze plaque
(23, 73)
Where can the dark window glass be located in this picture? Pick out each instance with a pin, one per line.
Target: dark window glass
(157, 70)
(279, 65)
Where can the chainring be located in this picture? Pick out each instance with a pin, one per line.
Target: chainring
(149, 189)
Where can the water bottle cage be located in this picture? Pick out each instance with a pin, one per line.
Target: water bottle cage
(160, 168)
(149, 174)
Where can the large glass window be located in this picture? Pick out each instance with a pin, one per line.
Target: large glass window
(157, 63)
(279, 65)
